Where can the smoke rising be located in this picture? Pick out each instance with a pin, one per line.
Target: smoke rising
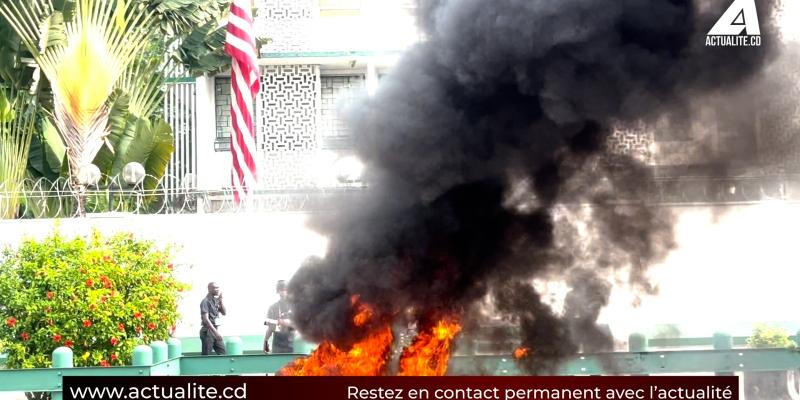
(484, 142)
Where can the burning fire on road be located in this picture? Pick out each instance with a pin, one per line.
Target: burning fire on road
(426, 356)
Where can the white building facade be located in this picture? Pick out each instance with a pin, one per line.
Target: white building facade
(323, 54)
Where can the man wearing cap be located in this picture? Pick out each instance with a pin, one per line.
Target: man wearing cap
(279, 322)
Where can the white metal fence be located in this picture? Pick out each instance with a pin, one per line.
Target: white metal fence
(180, 111)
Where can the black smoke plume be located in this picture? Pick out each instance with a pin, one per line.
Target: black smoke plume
(483, 148)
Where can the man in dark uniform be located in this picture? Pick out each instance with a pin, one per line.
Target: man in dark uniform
(279, 323)
(210, 309)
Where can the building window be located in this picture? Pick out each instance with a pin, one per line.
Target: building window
(337, 94)
(222, 108)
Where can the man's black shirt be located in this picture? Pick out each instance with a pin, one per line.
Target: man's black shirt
(209, 305)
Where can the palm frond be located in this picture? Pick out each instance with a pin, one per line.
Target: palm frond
(16, 130)
(143, 83)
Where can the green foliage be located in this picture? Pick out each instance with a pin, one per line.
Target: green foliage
(17, 116)
(195, 26)
(7, 112)
(47, 152)
(765, 336)
(202, 51)
(135, 138)
(190, 36)
(137, 132)
(180, 17)
(101, 296)
(14, 74)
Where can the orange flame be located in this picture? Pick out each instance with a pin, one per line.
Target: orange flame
(429, 353)
(365, 358)
(364, 312)
(521, 352)
(427, 356)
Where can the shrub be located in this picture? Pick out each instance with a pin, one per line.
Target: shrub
(100, 296)
(765, 336)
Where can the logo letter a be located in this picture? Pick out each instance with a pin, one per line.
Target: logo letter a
(741, 15)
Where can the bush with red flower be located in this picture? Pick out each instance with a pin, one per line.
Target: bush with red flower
(100, 296)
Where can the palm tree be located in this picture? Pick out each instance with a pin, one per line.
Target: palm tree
(83, 59)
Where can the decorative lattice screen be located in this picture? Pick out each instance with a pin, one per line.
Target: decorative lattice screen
(288, 23)
(631, 139)
(287, 110)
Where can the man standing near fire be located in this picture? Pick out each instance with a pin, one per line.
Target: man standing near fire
(279, 323)
(210, 309)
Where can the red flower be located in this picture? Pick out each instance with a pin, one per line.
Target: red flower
(25, 336)
(104, 363)
(169, 266)
(56, 338)
(158, 262)
(11, 322)
(103, 298)
(50, 295)
(151, 326)
(87, 323)
(68, 343)
(138, 329)
(89, 282)
(121, 326)
(137, 315)
(106, 258)
(114, 341)
(114, 357)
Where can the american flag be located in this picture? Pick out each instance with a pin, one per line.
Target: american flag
(240, 44)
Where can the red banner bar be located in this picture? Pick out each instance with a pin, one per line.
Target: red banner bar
(402, 388)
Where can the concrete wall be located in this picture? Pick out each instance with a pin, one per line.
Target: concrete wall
(734, 265)
(245, 253)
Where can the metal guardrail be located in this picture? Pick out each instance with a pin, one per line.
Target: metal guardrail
(664, 362)
(162, 358)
